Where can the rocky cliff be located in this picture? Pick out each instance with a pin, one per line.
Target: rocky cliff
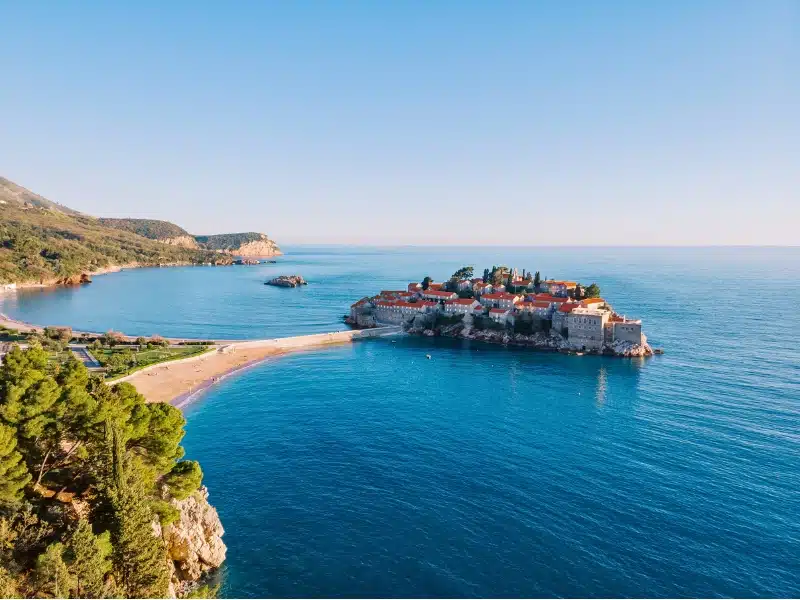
(261, 249)
(194, 542)
(249, 244)
(184, 241)
(549, 341)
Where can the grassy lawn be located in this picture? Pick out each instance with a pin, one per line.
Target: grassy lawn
(143, 358)
(11, 335)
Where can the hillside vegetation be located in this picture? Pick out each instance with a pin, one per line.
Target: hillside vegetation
(149, 228)
(41, 245)
(230, 242)
(44, 242)
(164, 231)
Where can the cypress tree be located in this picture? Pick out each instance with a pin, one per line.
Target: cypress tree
(52, 576)
(139, 556)
(88, 560)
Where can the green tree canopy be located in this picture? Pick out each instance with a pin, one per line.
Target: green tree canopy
(592, 291)
(52, 576)
(88, 560)
(463, 273)
(14, 475)
(56, 429)
(426, 283)
(184, 479)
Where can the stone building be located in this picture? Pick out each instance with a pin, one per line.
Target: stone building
(586, 327)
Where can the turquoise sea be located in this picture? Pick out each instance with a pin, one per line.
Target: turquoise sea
(370, 471)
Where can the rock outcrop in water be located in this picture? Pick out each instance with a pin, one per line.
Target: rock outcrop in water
(287, 281)
(194, 542)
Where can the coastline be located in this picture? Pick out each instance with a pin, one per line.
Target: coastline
(187, 398)
(14, 286)
(180, 383)
(76, 279)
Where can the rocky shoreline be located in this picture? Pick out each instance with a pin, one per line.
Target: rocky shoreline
(194, 542)
(86, 276)
(545, 342)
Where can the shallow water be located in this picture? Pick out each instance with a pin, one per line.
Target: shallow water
(368, 470)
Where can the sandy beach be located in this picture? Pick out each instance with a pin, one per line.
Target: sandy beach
(171, 382)
(179, 381)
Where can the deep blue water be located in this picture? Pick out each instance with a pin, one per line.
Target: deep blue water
(369, 470)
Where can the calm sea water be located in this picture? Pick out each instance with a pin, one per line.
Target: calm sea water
(369, 470)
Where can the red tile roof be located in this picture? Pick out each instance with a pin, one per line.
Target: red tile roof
(593, 301)
(435, 286)
(438, 293)
(568, 307)
(500, 296)
(461, 301)
(422, 304)
(413, 287)
(498, 311)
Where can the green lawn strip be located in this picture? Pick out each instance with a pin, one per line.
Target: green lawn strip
(12, 335)
(147, 358)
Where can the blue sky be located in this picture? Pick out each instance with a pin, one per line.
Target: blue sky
(413, 122)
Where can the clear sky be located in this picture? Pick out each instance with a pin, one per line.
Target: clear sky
(564, 122)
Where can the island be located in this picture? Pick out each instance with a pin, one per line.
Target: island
(287, 281)
(509, 307)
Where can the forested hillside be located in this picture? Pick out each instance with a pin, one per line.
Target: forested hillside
(43, 245)
(149, 228)
(86, 473)
(44, 242)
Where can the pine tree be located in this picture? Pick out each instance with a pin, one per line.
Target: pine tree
(537, 280)
(592, 291)
(88, 561)
(184, 479)
(52, 578)
(14, 475)
(30, 402)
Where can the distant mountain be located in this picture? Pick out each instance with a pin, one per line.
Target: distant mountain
(45, 242)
